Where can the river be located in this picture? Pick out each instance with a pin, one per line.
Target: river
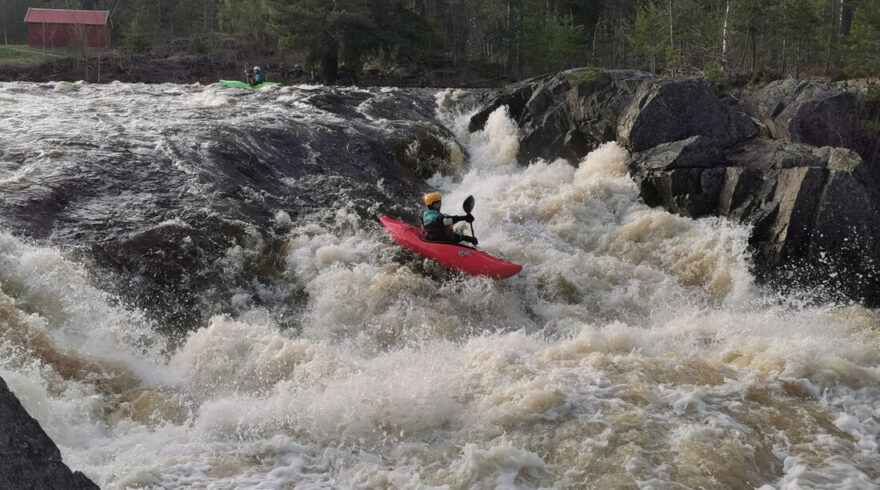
(634, 350)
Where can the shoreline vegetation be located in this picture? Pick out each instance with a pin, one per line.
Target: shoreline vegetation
(447, 43)
(107, 67)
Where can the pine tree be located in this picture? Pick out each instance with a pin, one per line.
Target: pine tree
(862, 48)
(325, 31)
(135, 37)
(330, 33)
(249, 19)
(647, 38)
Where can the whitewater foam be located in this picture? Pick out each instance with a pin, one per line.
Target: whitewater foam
(634, 349)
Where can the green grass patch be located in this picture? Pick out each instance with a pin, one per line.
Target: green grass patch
(590, 76)
(872, 94)
(20, 55)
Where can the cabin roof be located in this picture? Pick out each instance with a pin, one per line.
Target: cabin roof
(61, 16)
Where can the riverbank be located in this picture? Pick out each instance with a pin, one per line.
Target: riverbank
(206, 69)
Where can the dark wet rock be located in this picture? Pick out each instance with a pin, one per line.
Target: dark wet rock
(819, 114)
(810, 112)
(28, 458)
(813, 219)
(425, 154)
(565, 115)
(681, 176)
(598, 100)
(694, 152)
(808, 184)
(571, 113)
(664, 112)
(180, 225)
(539, 108)
(514, 97)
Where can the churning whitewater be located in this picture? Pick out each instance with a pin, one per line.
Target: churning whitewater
(634, 350)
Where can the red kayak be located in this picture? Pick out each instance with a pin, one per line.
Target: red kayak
(459, 257)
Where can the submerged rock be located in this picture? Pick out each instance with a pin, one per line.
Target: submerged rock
(177, 217)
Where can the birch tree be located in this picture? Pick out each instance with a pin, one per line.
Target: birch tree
(725, 39)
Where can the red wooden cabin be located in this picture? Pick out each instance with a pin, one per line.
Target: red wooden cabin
(55, 28)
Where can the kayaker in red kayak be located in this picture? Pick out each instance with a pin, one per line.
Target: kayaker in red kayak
(438, 226)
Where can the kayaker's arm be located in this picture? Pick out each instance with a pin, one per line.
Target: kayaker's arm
(450, 220)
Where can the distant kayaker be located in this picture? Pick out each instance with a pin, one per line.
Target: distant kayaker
(438, 226)
(256, 78)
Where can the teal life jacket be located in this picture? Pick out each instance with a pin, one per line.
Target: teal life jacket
(431, 218)
(435, 229)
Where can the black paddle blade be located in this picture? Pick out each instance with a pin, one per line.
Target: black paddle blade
(468, 205)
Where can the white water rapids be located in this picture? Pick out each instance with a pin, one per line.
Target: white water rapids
(633, 351)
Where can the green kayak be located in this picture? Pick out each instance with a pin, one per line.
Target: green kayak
(240, 84)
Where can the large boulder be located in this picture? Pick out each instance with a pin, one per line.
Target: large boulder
(680, 176)
(598, 100)
(568, 114)
(514, 97)
(538, 105)
(813, 219)
(664, 112)
(818, 114)
(28, 458)
(809, 112)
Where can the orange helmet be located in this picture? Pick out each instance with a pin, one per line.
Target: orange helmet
(432, 198)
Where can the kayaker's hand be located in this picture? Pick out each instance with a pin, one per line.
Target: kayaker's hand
(456, 219)
(469, 218)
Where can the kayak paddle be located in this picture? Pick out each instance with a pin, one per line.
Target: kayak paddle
(468, 207)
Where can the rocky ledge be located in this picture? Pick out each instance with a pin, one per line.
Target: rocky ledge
(792, 159)
(28, 458)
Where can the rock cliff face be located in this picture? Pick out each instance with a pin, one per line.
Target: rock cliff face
(792, 160)
(568, 114)
(818, 115)
(665, 112)
(28, 458)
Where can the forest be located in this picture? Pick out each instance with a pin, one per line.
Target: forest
(513, 39)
